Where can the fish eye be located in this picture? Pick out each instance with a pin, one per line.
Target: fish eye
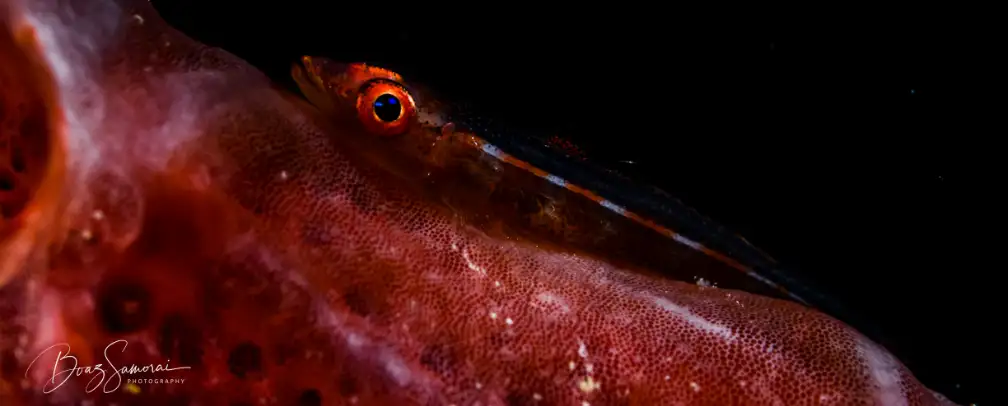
(385, 107)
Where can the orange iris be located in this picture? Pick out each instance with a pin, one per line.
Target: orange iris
(385, 107)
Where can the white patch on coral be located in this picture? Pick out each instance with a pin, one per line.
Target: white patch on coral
(694, 320)
(551, 300)
(884, 370)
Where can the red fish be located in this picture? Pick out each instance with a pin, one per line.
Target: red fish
(178, 230)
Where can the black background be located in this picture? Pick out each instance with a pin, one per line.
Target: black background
(850, 144)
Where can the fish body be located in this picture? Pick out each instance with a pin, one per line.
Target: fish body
(458, 159)
(178, 211)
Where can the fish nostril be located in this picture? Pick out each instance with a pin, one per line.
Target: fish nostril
(310, 397)
(123, 307)
(245, 358)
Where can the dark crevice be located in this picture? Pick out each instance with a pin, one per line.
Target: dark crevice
(310, 397)
(6, 181)
(347, 385)
(8, 364)
(181, 340)
(437, 358)
(357, 302)
(17, 159)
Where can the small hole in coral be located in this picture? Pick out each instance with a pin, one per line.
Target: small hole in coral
(245, 358)
(6, 182)
(310, 397)
(17, 160)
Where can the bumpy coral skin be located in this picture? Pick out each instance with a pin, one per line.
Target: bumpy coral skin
(178, 201)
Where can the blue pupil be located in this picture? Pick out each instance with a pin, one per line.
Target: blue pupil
(387, 108)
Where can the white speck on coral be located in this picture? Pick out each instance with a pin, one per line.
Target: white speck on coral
(588, 384)
(472, 265)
